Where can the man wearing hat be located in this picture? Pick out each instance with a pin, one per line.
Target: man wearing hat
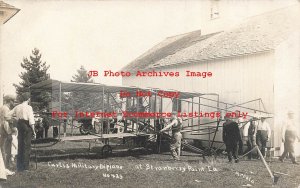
(289, 135)
(231, 138)
(249, 134)
(175, 144)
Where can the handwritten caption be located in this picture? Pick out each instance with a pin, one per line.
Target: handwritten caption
(244, 176)
(115, 171)
(109, 169)
(186, 168)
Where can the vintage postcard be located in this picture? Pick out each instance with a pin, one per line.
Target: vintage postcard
(149, 93)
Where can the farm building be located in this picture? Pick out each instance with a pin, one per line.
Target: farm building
(257, 59)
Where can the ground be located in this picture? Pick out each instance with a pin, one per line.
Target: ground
(62, 166)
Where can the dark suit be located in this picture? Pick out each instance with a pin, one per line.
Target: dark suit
(231, 138)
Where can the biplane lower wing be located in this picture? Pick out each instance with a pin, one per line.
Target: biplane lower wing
(99, 136)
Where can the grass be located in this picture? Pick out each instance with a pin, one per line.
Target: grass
(155, 170)
(71, 164)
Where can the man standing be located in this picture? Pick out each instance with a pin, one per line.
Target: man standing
(25, 126)
(263, 135)
(175, 144)
(46, 124)
(231, 138)
(5, 132)
(39, 128)
(249, 134)
(289, 135)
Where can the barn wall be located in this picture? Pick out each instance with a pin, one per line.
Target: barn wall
(236, 80)
(287, 87)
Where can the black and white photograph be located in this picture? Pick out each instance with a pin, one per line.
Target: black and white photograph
(153, 93)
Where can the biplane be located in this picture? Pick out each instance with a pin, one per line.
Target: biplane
(135, 115)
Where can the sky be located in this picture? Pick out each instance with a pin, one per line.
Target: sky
(103, 35)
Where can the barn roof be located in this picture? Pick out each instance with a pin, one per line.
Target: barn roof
(168, 47)
(11, 11)
(257, 34)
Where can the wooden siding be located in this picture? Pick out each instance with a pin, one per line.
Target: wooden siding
(287, 84)
(236, 80)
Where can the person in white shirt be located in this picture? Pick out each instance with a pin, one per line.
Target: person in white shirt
(25, 126)
(263, 135)
(5, 140)
(2, 168)
(14, 144)
(242, 122)
(5, 132)
(289, 135)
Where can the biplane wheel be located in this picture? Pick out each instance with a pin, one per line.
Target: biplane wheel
(106, 151)
(149, 146)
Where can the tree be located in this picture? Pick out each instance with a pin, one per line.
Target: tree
(35, 71)
(82, 76)
(83, 100)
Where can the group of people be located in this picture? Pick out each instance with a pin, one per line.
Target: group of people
(257, 132)
(254, 132)
(42, 126)
(15, 138)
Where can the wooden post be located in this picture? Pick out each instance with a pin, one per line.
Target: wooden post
(192, 111)
(101, 128)
(137, 111)
(188, 113)
(72, 126)
(265, 163)
(199, 109)
(59, 125)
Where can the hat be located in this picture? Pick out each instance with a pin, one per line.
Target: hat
(254, 118)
